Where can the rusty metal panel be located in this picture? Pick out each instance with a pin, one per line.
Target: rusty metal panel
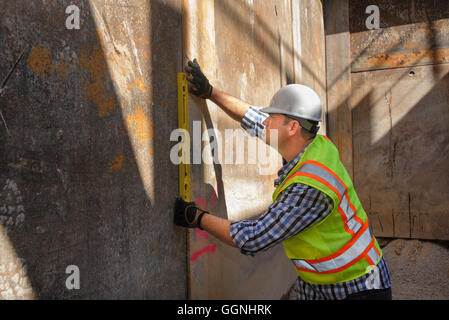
(248, 50)
(411, 33)
(85, 175)
(401, 143)
(249, 56)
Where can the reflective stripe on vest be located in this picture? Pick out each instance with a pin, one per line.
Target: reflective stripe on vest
(323, 174)
(362, 246)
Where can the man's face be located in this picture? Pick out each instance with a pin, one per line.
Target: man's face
(274, 126)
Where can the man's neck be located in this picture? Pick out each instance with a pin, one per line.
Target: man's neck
(294, 148)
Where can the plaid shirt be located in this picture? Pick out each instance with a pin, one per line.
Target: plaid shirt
(298, 208)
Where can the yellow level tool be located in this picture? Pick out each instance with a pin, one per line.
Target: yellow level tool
(183, 123)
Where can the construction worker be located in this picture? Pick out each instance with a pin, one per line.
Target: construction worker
(315, 213)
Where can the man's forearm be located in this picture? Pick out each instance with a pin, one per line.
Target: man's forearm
(218, 227)
(234, 107)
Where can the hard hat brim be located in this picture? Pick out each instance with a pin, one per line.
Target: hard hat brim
(270, 110)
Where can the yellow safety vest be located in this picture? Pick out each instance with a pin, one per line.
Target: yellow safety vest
(341, 247)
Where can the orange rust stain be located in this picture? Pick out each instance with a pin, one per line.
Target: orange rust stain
(141, 126)
(95, 89)
(99, 35)
(122, 71)
(117, 163)
(40, 60)
(139, 84)
(41, 63)
(124, 133)
(396, 60)
(62, 70)
(150, 150)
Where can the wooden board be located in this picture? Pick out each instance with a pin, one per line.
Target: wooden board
(401, 147)
(411, 33)
(388, 110)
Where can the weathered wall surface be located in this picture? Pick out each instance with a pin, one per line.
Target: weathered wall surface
(85, 176)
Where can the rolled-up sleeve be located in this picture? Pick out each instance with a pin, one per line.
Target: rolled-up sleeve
(252, 122)
(299, 207)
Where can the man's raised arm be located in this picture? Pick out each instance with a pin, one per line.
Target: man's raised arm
(199, 85)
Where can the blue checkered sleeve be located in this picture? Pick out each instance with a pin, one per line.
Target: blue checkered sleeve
(252, 122)
(299, 207)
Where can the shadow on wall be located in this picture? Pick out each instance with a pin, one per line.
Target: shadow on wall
(399, 13)
(265, 38)
(85, 176)
(400, 145)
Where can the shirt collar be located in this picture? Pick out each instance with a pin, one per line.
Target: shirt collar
(282, 173)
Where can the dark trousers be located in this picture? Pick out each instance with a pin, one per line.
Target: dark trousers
(376, 294)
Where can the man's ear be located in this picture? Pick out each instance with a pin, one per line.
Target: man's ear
(294, 127)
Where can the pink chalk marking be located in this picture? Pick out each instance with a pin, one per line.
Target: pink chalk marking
(200, 252)
(200, 234)
(201, 202)
(212, 201)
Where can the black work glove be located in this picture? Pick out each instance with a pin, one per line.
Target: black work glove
(187, 214)
(199, 84)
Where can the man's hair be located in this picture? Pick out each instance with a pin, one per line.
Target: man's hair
(310, 127)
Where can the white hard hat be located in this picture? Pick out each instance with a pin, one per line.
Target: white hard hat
(297, 101)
